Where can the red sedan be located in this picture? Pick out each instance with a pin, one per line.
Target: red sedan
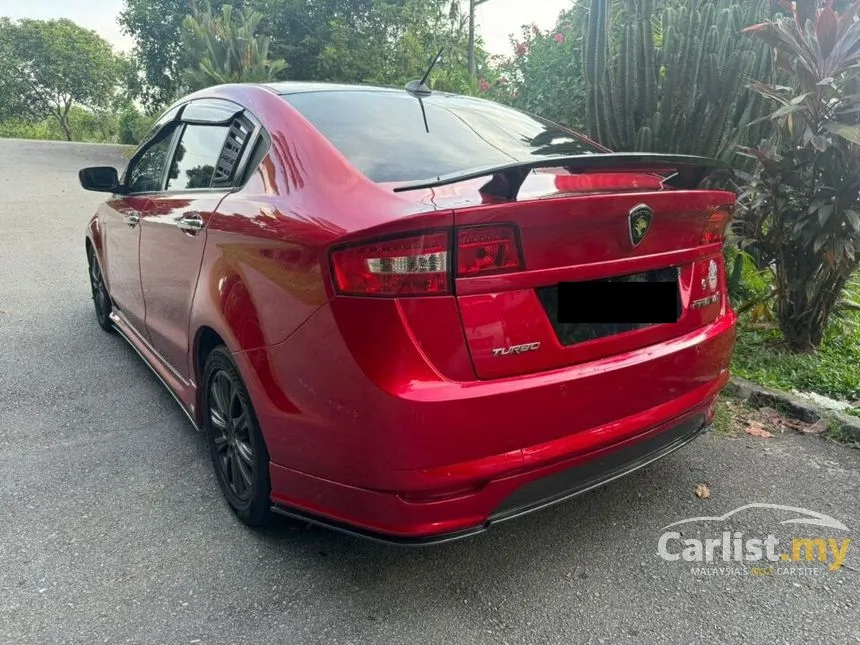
(411, 315)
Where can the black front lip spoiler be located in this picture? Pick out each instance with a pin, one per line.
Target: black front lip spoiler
(541, 493)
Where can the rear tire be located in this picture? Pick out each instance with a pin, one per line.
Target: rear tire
(236, 445)
(101, 297)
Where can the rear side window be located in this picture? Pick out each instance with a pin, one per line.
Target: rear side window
(196, 156)
(384, 134)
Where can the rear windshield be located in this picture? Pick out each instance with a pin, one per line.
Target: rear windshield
(385, 136)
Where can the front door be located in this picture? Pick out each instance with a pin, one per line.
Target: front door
(121, 217)
(173, 236)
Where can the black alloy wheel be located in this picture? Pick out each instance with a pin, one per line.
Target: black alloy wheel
(236, 445)
(101, 297)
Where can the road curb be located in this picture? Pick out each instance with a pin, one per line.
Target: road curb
(792, 406)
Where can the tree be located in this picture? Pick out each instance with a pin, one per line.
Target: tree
(53, 66)
(801, 206)
(393, 43)
(368, 41)
(156, 27)
(13, 86)
(668, 76)
(373, 41)
(132, 125)
(227, 49)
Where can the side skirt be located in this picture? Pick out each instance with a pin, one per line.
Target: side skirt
(169, 379)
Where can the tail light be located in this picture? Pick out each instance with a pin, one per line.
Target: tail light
(487, 249)
(420, 264)
(715, 228)
(414, 265)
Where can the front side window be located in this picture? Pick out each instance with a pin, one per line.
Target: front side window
(196, 157)
(145, 173)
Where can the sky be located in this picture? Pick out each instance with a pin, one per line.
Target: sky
(496, 18)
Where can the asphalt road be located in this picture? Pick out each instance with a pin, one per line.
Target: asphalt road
(112, 529)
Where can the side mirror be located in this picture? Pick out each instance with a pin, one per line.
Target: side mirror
(101, 179)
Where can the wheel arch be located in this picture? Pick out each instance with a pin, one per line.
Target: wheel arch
(205, 340)
(93, 237)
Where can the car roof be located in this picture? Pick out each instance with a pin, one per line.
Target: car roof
(302, 87)
(285, 88)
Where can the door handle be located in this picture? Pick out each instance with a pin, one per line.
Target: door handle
(131, 219)
(191, 222)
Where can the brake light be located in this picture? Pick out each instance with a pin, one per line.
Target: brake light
(487, 249)
(715, 228)
(414, 265)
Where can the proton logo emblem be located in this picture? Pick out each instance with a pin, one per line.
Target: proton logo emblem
(639, 223)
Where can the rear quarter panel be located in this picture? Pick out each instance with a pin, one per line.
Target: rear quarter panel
(265, 267)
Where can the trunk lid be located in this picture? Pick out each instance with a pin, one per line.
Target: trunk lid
(579, 233)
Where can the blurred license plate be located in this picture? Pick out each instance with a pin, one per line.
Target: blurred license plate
(636, 300)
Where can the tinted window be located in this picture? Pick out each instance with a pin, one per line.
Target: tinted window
(384, 135)
(196, 155)
(146, 172)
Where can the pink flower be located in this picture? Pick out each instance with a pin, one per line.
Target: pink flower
(559, 38)
(484, 85)
(521, 49)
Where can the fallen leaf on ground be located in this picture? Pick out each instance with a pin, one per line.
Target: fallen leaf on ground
(818, 427)
(794, 424)
(757, 429)
(702, 491)
(770, 416)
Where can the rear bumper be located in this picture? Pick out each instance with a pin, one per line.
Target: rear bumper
(399, 452)
(517, 495)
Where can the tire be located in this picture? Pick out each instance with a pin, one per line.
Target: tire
(101, 297)
(239, 454)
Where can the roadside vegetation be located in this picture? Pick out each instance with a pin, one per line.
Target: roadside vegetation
(771, 86)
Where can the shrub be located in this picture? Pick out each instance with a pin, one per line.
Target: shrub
(544, 74)
(801, 205)
(133, 125)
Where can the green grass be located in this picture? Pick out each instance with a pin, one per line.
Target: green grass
(726, 413)
(836, 433)
(834, 370)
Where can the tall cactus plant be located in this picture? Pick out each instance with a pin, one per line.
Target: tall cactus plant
(674, 80)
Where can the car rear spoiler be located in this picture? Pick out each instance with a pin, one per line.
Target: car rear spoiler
(682, 171)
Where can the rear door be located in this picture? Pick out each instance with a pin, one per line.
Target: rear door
(210, 142)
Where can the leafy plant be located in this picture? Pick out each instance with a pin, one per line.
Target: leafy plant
(801, 205)
(227, 48)
(750, 286)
